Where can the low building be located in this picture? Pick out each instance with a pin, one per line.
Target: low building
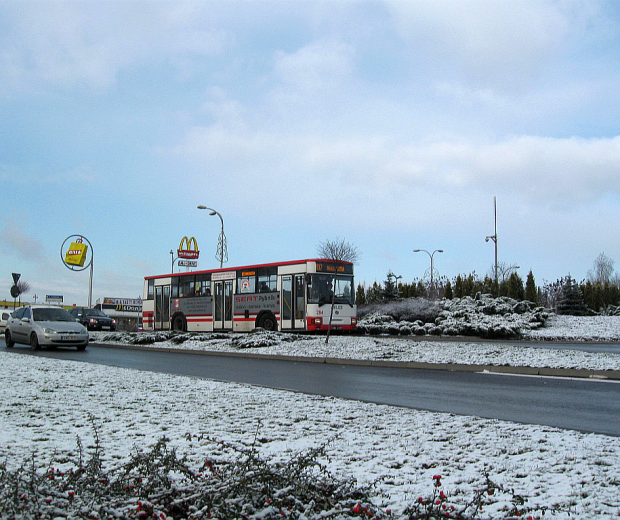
(126, 311)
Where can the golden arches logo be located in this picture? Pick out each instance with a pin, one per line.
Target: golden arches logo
(188, 252)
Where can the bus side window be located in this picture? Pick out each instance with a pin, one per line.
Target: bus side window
(267, 282)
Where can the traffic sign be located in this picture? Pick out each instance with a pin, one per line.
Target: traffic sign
(16, 277)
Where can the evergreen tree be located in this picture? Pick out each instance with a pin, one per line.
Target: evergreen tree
(458, 287)
(411, 290)
(448, 291)
(515, 287)
(360, 295)
(531, 294)
(599, 296)
(470, 286)
(390, 293)
(488, 285)
(373, 293)
(572, 302)
(611, 294)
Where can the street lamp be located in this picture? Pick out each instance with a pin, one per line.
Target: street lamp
(431, 256)
(494, 238)
(222, 250)
(397, 278)
(173, 260)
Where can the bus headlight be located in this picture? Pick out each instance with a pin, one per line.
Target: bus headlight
(316, 321)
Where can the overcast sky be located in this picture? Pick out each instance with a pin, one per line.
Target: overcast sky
(391, 124)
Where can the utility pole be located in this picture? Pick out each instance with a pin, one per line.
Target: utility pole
(494, 238)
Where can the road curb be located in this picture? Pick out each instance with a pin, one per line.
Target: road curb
(581, 373)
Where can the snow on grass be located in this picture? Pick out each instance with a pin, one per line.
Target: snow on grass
(48, 403)
(407, 348)
(578, 328)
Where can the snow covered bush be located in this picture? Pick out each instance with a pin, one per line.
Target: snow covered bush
(483, 316)
(158, 483)
(411, 309)
(260, 338)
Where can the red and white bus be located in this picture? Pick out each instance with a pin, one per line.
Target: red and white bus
(291, 296)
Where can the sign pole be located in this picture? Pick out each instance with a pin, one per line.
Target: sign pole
(90, 285)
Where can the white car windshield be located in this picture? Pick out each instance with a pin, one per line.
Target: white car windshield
(51, 315)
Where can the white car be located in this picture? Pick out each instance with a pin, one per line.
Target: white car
(4, 318)
(45, 325)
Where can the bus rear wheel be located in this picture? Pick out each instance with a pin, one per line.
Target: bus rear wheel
(268, 322)
(178, 323)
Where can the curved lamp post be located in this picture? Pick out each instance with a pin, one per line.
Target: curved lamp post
(222, 251)
(431, 256)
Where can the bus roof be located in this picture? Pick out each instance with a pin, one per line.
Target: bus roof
(252, 266)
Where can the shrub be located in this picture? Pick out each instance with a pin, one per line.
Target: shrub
(158, 483)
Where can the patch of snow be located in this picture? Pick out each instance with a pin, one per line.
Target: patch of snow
(578, 328)
(48, 403)
(403, 348)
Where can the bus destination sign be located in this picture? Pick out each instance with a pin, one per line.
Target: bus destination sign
(323, 267)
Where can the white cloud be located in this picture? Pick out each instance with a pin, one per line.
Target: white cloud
(559, 172)
(504, 44)
(86, 44)
(14, 241)
(316, 67)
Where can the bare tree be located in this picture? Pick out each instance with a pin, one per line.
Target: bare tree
(602, 271)
(338, 251)
(504, 271)
(23, 286)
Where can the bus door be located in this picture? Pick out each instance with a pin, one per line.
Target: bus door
(222, 304)
(293, 300)
(162, 307)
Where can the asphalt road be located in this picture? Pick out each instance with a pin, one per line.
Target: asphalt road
(577, 404)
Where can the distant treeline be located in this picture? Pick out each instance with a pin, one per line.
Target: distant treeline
(562, 296)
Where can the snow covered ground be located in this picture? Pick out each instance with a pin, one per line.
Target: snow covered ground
(408, 348)
(47, 403)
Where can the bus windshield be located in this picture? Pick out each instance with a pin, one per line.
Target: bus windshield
(320, 289)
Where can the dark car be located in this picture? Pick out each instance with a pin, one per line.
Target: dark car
(93, 319)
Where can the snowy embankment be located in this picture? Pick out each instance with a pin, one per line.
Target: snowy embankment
(49, 403)
(406, 348)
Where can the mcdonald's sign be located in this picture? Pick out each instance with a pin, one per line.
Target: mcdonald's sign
(185, 248)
